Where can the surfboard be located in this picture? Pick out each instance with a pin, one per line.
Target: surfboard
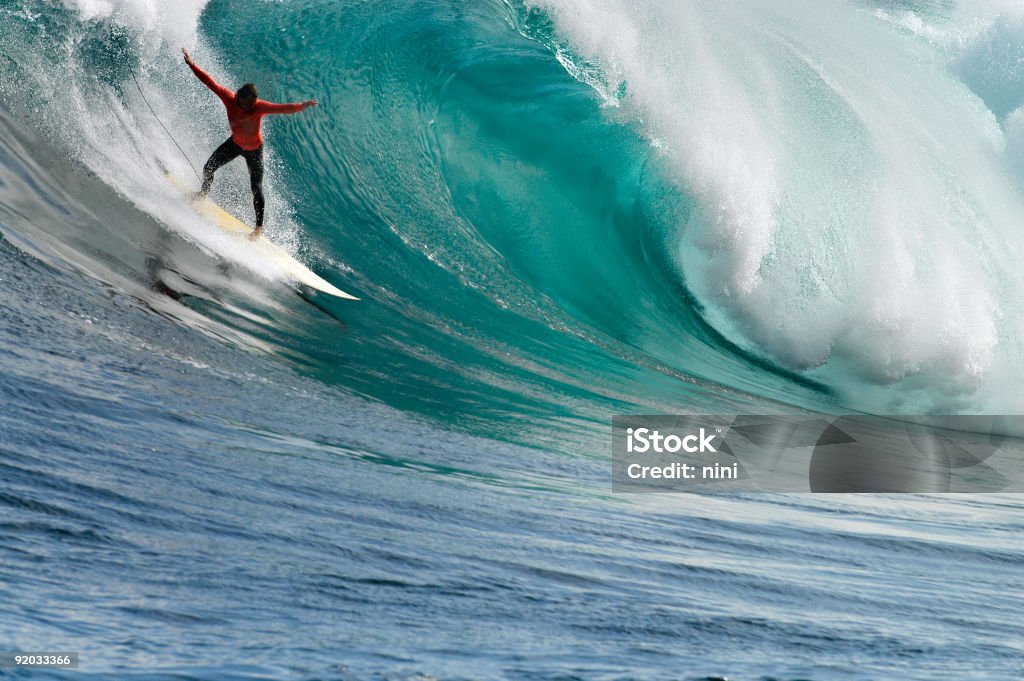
(263, 246)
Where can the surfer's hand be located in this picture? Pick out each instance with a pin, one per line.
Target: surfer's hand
(308, 103)
(188, 59)
(256, 234)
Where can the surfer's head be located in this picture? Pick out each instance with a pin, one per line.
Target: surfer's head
(246, 96)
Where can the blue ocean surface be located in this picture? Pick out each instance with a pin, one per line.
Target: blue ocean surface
(553, 211)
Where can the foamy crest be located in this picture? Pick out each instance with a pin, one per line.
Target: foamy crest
(856, 216)
(175, 22)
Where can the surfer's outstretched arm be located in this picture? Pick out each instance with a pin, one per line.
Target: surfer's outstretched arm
(225, 94)
(292, 108)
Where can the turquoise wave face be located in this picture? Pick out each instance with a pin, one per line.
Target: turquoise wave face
(515, 242)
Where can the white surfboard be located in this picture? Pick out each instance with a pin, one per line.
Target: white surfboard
(266, 248)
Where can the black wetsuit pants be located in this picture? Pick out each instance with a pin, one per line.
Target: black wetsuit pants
(229, 151)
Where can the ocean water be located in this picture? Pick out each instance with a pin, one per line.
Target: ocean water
(554, 211)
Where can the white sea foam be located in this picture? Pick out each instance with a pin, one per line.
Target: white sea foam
(857, 216)
(174, 22)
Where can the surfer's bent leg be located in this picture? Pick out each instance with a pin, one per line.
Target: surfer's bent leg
(221, 155)
(254, 159)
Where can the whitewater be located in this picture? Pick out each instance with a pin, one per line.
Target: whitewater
(553, 211)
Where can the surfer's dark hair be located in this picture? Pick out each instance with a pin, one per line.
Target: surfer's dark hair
(247, 90)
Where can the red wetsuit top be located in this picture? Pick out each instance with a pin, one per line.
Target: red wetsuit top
(245, 125)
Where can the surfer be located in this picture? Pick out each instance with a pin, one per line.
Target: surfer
(245, 113)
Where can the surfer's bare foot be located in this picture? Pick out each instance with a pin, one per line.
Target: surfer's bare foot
(256, 233)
